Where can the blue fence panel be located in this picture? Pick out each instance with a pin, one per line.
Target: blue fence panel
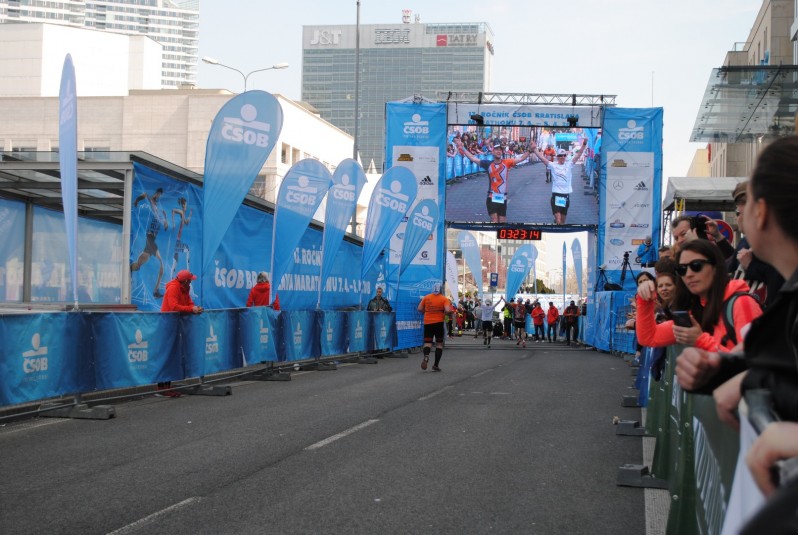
(604, 329)
(259, 334)
(332, 331)
(131, 349)
(210, 342)
(43, 355)
(358, 328)
(383, 327)
(623, 339)
(300, 335)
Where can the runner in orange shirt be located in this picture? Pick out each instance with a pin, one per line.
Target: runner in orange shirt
(434, 306)
(498, 173)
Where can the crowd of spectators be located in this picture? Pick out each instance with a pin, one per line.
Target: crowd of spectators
(735, 322)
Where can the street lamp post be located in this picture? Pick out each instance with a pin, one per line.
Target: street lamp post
(214, 61)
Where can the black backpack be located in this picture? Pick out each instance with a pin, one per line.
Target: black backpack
(728, 316)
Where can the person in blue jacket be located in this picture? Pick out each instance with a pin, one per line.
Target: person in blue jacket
(647, 253)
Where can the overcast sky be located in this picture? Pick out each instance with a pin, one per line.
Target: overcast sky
(614, 47)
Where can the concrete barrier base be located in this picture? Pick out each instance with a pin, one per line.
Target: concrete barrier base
(80, 411)
(637, 475)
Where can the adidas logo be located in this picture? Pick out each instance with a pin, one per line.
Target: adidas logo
(426, 181)
(641, 186)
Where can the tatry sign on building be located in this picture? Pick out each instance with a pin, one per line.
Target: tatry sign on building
(457, 39)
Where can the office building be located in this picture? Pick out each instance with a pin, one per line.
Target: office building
(174, 24)
(397, 61)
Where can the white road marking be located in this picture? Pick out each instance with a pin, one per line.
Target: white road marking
(342, 434)
(483, 372)
(130, 528)
(432, 395)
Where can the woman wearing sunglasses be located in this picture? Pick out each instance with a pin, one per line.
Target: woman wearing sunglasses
(702, 288)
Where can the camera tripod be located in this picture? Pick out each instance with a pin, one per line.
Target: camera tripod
(626, 265)
(601, 281)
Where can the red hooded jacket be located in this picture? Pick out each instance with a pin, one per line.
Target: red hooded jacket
(176, 298)
(260, 294)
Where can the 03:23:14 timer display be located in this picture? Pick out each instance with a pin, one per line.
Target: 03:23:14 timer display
(518, 234)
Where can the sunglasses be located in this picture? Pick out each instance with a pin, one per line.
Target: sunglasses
(695, 266)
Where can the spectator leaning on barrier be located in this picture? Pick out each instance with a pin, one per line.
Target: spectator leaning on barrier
(378, 303)
(771, 345)
(260, 294)
(177, 298)
(703, 289)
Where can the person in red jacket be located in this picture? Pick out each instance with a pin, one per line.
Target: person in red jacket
(260, 294)
(537, 319)
(177, 298)
(703, 287)
(552, 318)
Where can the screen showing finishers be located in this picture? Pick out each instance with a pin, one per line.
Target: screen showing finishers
(514, 174)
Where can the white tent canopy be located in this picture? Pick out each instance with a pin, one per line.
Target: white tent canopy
(707, 193)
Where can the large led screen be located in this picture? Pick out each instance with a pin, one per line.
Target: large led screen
(489, 179)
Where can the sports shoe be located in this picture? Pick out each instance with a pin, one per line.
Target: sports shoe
(518, 343)
(172, 394)
(424, 363)
(435, 368)
(523, 345)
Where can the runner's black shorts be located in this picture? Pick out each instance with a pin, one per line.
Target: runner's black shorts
(498, 208)
(559, 209)
(433, 330)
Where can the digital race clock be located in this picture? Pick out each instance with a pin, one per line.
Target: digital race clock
(525, 234)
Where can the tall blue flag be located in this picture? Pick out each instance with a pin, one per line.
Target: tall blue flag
(420, 223)
(301, 193)
(348, 181)
(522, 261)
(68, 164)
(471, 254)
(242, 136)
(393, 194)
(576, 253)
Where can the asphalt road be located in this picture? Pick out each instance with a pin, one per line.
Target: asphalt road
(509, 440)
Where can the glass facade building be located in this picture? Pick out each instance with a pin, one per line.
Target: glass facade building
(397, 61)
(172, 23)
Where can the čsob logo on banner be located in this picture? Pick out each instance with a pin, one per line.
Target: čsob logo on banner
(264, 332)
(393, 199)
(211, 343)
(35, 359)
(632, 132)
(302, 193)
(344, 191)
(518, 267)
(423, 220)
(298, 335)
(415, 127)
(138, 350)
(246, 129)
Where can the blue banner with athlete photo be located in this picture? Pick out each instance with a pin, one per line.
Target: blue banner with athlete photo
(301, 193)
(423, 219)
(348, 181)
(471, 254)
(630, 185)
(240, 140)
(383, 327)
(358, 331)
(210, 343)
(520, 265)
(332, 331)
(259, 331)
(136, 349)
(300, 335)
(392, 197)
(68, 164)
(42, 356)
(165, 227)
(576, 254)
